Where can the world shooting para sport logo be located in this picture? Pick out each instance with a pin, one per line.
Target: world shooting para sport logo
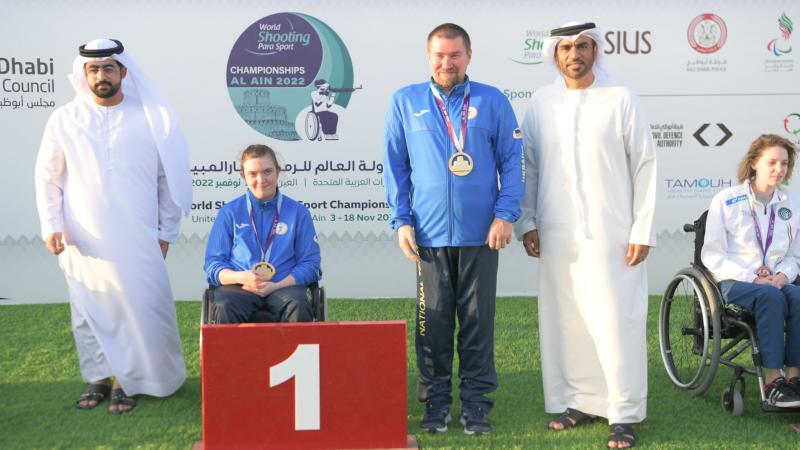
(290, 76)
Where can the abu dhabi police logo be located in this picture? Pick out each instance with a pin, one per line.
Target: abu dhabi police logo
(791, 124)
(290, 76)
(707, 33)
(781, 45)
(785, 213)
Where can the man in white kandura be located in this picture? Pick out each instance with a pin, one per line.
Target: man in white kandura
(112, 177)
(590, 201)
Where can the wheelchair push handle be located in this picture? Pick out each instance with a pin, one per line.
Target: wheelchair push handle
(689, 227)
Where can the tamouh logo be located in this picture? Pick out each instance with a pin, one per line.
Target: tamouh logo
(707, 33)
(689, 188)
(280, 67)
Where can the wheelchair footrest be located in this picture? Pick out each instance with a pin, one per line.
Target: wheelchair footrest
(775, 409)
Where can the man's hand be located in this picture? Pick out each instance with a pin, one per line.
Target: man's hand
(53, 243)
(530, 241)
(499, 234)
(164, 247)
(637, 253)
(408, 243)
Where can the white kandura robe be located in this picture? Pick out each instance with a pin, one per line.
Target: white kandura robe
(591, 180)
(99, 179)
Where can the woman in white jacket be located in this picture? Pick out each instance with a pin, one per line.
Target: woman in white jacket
(751, 246)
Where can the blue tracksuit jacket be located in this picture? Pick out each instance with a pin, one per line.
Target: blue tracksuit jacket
(447, 210)
(232, 242)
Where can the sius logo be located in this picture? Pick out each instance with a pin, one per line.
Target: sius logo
(707, 33)
(633, 43)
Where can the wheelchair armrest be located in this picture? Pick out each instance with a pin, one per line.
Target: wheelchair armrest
(205, 305)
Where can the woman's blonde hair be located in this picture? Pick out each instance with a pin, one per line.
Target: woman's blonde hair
(746, 172)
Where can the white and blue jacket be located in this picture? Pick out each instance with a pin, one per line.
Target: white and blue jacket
(232, 243)
(730, 248)
(447, 210)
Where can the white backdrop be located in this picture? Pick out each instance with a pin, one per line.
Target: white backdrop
(746, 87)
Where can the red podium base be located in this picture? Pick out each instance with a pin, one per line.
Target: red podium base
(411, 444)
(305, 386)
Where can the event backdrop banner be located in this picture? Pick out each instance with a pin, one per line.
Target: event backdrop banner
(313, 80)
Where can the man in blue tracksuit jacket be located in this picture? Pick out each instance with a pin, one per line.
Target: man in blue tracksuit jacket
(283, 236)
(452, 218)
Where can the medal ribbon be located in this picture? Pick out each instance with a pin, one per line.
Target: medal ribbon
(459, 143)
(265, 253)
(771, 228)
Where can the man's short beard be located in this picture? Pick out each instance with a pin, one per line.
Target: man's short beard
(112, 90)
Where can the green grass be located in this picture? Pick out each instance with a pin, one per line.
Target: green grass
(39, 382)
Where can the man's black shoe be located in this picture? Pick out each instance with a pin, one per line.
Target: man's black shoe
(476, 422)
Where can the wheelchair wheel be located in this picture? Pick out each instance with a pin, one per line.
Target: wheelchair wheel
(321, 307)
(312, 126)
(732, 399)
(688, 328)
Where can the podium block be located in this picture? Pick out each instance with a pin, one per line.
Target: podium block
(304, 385)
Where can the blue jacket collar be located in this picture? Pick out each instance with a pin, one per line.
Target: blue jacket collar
(458, 90)
(269, 203)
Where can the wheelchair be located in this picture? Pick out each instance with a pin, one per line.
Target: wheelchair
(698, 332)
(313, 125)
(314, 293)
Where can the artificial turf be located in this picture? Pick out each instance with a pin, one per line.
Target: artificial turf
(39, 382)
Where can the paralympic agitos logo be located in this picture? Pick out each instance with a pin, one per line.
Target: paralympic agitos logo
(781, 45)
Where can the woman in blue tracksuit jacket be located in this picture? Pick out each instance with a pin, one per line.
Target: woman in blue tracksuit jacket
(751, 247)
(262, 252)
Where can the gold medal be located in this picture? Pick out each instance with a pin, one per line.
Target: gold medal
(460, 164)
(265, 269)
